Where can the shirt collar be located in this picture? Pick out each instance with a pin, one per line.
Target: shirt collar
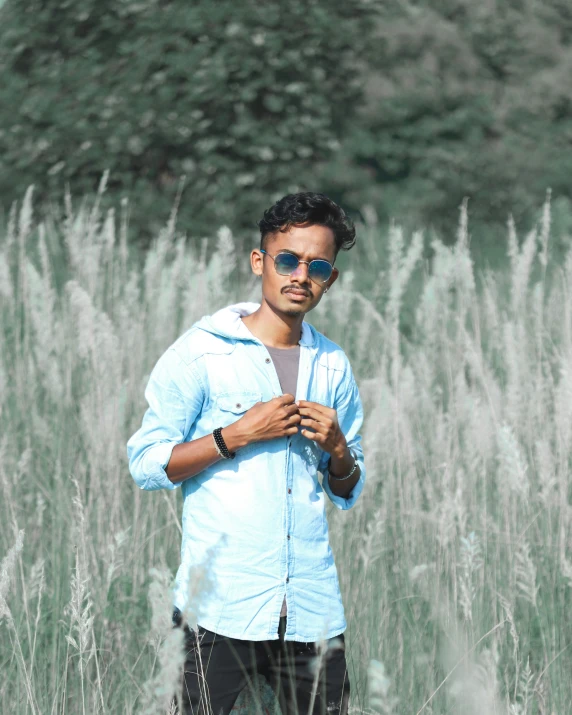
(228, 322)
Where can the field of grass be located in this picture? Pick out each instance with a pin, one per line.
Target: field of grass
(456, 562)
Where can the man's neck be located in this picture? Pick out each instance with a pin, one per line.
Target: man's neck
(274, 329)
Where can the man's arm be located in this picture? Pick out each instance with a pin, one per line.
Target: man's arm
(190, 458)
(349, 410)
(160, 458)
(339, 467)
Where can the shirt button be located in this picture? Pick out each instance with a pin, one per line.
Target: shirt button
(287, 579)
(288, 536)
(289, 491)
(267, 360)
(238, 405)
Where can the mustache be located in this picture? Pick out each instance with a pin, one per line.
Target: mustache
(296, 290)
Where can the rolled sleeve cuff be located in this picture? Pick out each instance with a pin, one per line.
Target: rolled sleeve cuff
(155, 460)
(350, 500)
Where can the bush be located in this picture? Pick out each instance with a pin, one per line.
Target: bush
(243, 99)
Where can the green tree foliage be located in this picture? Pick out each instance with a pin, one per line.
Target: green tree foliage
(243, 98)
(405, 105)
(467, 99)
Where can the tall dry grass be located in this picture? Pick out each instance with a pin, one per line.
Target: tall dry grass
(455, 564)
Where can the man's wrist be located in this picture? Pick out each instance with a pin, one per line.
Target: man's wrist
(341, 462)
(341, 454)
(234, 437)
(343, 474)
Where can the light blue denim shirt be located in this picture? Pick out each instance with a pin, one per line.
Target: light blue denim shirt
(257, 523)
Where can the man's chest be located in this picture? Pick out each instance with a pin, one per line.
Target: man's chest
(251, 372)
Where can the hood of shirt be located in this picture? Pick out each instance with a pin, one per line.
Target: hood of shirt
(227, 323)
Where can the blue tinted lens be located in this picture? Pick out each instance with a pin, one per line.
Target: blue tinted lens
(285, 263)
(320, 270)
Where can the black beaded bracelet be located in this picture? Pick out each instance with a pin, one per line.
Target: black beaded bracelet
(222, 449)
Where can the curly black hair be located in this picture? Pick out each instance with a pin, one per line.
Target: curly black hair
(310, 208)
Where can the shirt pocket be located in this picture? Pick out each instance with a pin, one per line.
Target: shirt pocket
(231, 406)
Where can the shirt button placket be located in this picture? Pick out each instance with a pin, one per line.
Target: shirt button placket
(288, 512)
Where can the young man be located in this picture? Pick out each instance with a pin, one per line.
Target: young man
(245, 409)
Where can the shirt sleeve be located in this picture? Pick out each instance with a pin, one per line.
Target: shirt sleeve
(349, 409)
(175, 397)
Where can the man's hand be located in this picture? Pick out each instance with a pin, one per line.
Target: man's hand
(321, 424)
(267, 420)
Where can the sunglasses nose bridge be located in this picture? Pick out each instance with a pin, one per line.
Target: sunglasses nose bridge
(301, 271)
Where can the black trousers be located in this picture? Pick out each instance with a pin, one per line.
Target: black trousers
(217, 668)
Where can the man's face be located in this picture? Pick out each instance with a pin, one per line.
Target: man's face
(297, 293)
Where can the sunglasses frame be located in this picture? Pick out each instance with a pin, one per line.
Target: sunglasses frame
(308, 263)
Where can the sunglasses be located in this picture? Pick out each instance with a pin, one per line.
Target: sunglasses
(286, 263)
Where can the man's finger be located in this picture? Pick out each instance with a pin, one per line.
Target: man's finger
(313, 433)
(286, 399)
(313, 424)
(314, 414)
(315, 406)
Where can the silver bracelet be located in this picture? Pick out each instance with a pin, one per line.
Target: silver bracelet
(341, 479)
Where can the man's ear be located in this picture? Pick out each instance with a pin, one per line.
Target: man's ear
(333, 278)
(256, 261)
